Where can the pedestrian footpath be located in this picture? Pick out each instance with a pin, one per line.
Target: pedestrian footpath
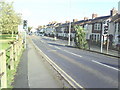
(33, 71)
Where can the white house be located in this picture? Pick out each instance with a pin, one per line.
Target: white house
(115, 27)
(33, 30)
(88, 30)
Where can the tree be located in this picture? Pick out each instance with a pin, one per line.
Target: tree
(39, 27)
(9, 19)
(29, 28)
(80, 37)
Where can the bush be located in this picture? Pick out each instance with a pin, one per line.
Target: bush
(80, 37)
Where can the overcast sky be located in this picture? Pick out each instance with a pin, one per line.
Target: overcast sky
(41, 12)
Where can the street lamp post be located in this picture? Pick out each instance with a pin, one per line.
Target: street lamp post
(69, 33)
(69, 24)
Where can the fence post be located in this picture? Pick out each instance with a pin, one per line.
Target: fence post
(15, 51)
(1, 73)
(18, 48)
(21, 45)
(11, 58)
(3, 70)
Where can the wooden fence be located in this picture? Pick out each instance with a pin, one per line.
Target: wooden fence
(8, 59)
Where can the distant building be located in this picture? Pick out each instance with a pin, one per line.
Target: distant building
(33, 30)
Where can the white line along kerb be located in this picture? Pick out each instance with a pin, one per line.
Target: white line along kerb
(105, 65)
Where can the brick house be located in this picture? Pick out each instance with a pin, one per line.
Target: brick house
(99, 24)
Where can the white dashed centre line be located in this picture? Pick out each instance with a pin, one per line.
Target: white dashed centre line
(72, 53)
(57, 47)
(68, 52)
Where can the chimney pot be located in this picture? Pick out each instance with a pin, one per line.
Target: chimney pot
(113, 12)
(85, 18)
(94, 16)
(75, 20)
(67, 22)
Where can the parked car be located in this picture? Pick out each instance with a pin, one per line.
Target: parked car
(29, 33)
(41, 34)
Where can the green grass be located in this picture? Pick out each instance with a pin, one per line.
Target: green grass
(5, 39)
(7, 36)
(4, 46)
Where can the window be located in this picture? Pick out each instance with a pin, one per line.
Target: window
(97, 26)
(92, 36)
(95, 37)
(98, 37)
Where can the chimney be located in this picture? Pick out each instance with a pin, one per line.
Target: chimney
(67, 21)
(50, 22)
(75, 20)
(94, 16)
(113, 12)
(85, 18)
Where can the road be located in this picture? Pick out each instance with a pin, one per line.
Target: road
(89, 69)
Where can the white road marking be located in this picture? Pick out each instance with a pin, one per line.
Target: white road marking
(42, 41)
(72, 53)
(105, 65)
(50, 45)
(51, 50)
(68, 52)
(57, 47)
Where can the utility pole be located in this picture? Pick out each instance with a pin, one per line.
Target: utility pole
(107, 43)
(69, 24)
(25, 27)
(108, 35)
(69, 33)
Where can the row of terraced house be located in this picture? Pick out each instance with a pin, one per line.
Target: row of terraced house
(97, 28)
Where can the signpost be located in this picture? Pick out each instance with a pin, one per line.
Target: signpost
(105, 28)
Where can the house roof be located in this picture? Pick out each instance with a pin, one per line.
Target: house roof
(116, 18)
(78, 22)
(82, 21)
(97, 19)
(100, 19)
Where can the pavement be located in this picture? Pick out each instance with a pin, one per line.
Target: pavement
(33, 71)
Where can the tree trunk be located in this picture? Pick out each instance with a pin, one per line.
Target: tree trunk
(12, 34)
